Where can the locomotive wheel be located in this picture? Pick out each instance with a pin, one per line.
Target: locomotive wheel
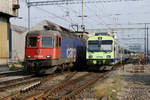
(27, 69)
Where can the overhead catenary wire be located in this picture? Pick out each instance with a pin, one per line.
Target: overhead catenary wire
(53, 14)
(62, 2)
(78, 13)
(102, 21)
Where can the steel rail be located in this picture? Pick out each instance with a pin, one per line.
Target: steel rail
(56, 88)
(47, 78)
(84, 86)
(24, 82)
(14, 80)
(81, 88)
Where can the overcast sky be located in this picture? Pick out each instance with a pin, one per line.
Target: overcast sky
(99, 15)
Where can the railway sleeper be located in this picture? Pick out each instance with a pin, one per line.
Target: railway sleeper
(30, 87)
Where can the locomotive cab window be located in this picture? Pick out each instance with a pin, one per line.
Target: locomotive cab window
(59, 42)
(47, 42)
(31, 42)
(55, 41)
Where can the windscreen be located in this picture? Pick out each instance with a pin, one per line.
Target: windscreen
(93, 46)
(106, 46)
(31, 42)
(47, 42)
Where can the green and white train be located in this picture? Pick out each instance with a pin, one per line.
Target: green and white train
(103, 50)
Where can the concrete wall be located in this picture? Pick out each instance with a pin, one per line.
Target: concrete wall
(9, 7)
(4, 31)
(18, 46)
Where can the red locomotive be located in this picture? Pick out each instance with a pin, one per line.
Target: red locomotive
(52, 49)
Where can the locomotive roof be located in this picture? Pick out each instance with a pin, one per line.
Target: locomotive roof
(53, 32)
(44, 32)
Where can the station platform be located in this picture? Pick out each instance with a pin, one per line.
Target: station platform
(5, 69)
(10, 78)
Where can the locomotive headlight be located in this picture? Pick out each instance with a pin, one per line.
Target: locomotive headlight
(108, 56)
(48, 56)
(29, 56)
(90, 56)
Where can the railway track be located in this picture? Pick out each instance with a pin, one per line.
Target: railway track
(69, 89)
(2, 76)
(30, 80)
(18, 82)
(65, 90)
(44, 91)
(78, 90)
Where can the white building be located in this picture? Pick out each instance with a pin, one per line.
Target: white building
(17, 44)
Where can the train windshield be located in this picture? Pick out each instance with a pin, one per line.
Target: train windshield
(47, 42)
(106, 45)
(31, 42)
(93, 46)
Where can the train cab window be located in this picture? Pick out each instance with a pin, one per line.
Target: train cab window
(59, 42)
(93, 46)
(31, 42)
(47, 42)
(106, 45)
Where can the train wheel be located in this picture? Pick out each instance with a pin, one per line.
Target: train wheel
(68, 67)
(27, 69)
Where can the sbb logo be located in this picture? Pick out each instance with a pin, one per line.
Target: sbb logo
(71, 53)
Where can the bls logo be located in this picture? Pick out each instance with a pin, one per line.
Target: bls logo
(71, 53)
